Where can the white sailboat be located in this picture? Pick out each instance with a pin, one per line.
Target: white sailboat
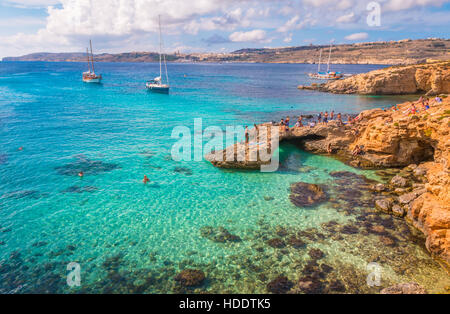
(328, 75)
(90, 76)
(156, 85)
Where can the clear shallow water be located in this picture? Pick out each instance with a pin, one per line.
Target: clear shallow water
(130, 237)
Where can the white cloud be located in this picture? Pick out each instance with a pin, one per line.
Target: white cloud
(288, 38)
(32, 3)
(256, 35)
(348, 18)
(397, 5)
(357, 36)
(128, 24)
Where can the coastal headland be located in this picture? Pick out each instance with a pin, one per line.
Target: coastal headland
(410, 149)
(404, 51)
(430, 78)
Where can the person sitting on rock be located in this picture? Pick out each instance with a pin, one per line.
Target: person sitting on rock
(356, 151)
(438, 99)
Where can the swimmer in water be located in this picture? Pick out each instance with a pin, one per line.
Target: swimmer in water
(146, 179)
(80, 174)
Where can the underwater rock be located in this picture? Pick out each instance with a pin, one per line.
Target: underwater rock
(269, 198)
(190, 278)
(39, 244)
(387, 241)
(349, 229)
(398, 211)
(407, 198)
(88, 167)
(186, 171)
(419, 172)
(316, 253)
(305, 194)
(32, 194)
(377, 229)
(309, 285)
(326, 268)
(384, 204)
(404, 288)
(380, 187)
(346, 175)
(219, 234)
(281, 231)
(399, 182)
(296, 242)
(337, 286)
(3, 159)
(280, 285)
(80, 189)
(276, 243)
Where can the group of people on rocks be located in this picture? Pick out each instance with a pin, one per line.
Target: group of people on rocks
(322, 118)
(422, 104)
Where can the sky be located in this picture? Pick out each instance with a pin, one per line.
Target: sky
(28, 26)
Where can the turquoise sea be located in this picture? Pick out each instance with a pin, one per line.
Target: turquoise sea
(133, 238)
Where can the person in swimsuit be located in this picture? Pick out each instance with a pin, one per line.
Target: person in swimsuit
(325, 117)
(146, 179)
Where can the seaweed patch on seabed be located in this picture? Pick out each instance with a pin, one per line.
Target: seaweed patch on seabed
(31, 194)
(80, 189)
(3, 159)
(86, 166)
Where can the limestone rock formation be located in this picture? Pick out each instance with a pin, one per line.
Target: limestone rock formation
(389, 138)
(432, 78)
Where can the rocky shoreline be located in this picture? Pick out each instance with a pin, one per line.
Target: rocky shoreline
(411, 151)
(429, 78)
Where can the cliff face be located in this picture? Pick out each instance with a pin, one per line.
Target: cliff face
(419, 142)
(433, 79)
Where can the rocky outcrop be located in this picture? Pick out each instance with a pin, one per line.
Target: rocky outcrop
(389, 138)
(432, 78)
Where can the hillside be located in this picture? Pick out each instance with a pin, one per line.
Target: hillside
(393, 52)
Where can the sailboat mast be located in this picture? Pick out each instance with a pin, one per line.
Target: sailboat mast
(329, 57)
(160, 46)
(320, 60)
(88, 59)
(92, 57)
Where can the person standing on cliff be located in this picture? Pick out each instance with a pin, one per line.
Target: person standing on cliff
(319, 117)
(246, 134)
(331, 115)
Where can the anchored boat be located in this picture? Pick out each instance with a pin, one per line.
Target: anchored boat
(156, 85)
(90, 76)
(328, 75)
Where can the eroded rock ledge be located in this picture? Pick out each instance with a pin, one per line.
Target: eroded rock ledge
(432, 78)
(389, 139)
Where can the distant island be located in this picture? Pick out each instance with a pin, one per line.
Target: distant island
(405, 51)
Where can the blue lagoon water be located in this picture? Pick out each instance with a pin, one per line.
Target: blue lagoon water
(131, 237)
